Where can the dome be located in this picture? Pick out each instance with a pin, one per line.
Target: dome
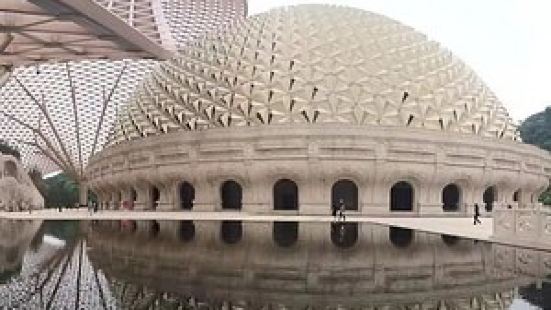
(314, 64)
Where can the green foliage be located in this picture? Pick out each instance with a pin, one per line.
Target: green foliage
(536, 129)
(545, 198)
(61, 192)
(8, 149)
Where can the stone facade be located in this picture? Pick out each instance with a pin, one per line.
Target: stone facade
(17, 191)
(526, 225)
(315, 157)
(305, 107)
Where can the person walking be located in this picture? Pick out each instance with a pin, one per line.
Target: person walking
(342, 209)
(334, 212)
(477, 214)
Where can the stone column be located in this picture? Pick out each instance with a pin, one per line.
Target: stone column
(257, 193)
(82, 193)
(142, 201)
(167, 199)
(205, 198)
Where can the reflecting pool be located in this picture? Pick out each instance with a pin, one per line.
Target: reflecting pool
(260, 265)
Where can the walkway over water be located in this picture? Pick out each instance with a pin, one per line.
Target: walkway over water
(458, 226)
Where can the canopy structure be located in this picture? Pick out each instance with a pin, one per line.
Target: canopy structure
(66, 66)
(49, 30)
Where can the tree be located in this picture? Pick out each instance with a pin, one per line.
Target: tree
(61, 192)
(8, 149)
(536, 130)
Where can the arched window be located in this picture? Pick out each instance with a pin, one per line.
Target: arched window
(187, 196)
(489, 197)
(232, 195)
(401, 197)
(451, 197)
(186, 232)
(345, 191)
(516, 195)
(155, 197)
(231, 231)
(285, 195)
(344, 235)
(133, 195)
(10, 169)
(400, 237)
(118, 199)
(285, 234)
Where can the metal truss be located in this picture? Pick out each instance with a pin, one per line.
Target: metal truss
(60, 113)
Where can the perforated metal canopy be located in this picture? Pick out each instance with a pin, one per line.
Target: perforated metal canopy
(73, 63)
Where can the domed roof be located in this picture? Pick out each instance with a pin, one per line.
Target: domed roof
(314, 64)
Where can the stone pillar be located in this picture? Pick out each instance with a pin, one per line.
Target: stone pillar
(167, 199)
(257, 194)
(205, 198)
(82, 193)
(142, 201)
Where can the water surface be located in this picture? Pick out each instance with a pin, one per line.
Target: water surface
(260, 265)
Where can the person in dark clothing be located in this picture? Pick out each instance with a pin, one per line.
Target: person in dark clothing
(476, 214)
(342, 209)
(334, 212)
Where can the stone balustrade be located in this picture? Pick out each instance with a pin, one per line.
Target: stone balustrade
(529, 224)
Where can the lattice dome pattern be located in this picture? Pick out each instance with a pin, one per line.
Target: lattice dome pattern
(59, 114)
(80, 99)
(314, 64)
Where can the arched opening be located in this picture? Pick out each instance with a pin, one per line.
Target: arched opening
(186, 231)
(516, 195)
(345, 191)
(133, 195)
(400, 237)
(155, 197)
(285, 234)
(449, 239)
(451, 197)
(285, 195)
(489, 197)
(344, 235)
(10, 169)
(231, 193)
(154, 229)
(231, 231)
(187, 196)
(401, 197)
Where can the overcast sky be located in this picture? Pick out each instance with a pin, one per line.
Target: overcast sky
(507, 42)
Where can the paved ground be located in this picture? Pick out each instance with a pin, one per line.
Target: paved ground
(458, 226)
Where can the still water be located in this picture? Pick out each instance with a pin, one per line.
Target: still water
(260, 265)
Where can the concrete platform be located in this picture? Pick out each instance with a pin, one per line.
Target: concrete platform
(459, 226)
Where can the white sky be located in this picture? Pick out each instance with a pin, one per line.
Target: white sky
(506, 42)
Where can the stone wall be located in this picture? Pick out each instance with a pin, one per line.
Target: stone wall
(529, 225)
(17, 191)
(315, 157)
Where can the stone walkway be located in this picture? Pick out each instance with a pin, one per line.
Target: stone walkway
(458, 226)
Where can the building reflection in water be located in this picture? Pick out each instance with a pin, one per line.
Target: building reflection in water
(152, 265)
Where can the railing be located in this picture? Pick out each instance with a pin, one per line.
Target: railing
(528, 222)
